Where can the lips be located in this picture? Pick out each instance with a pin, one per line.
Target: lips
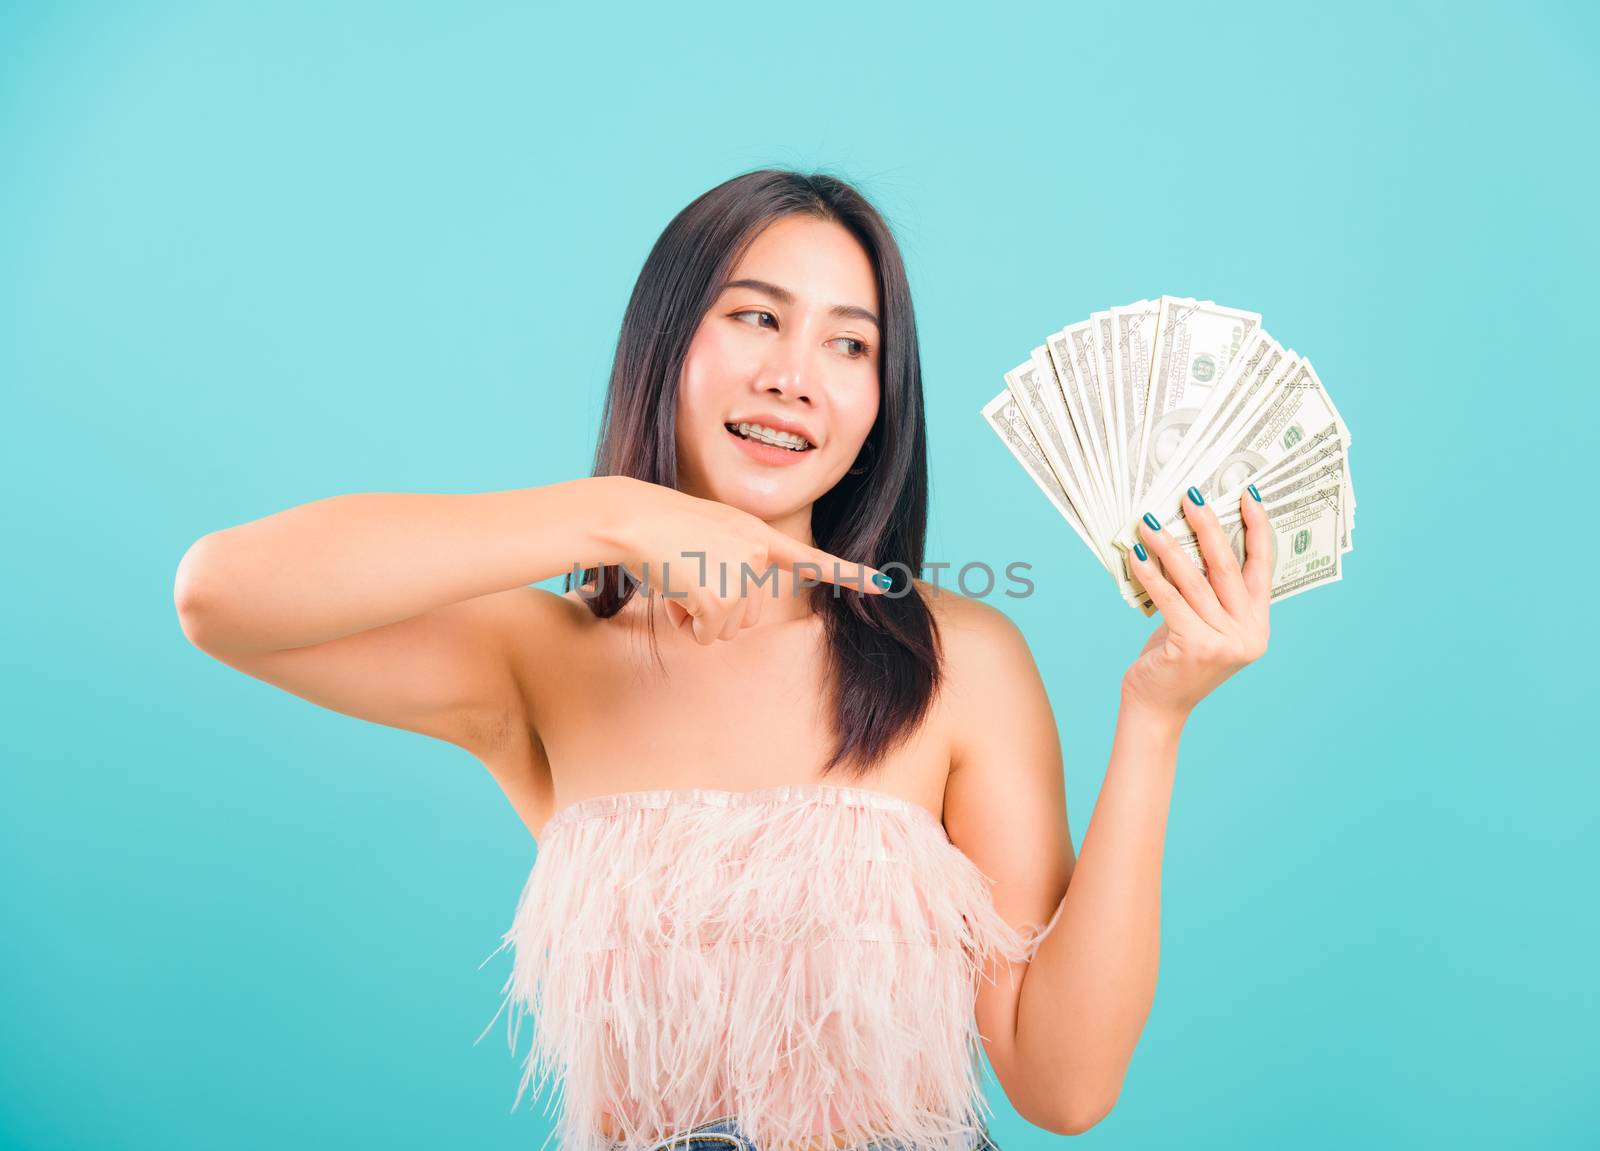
(776, 423)
(732, 429)
(766, 454)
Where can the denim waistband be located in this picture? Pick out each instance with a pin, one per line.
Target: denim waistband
(726, 1130)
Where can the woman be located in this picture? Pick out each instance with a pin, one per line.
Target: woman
(809, 751)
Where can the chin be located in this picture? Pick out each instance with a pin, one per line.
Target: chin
(766, 497)
(764, 504)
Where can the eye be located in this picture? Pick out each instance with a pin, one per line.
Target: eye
(862, 345)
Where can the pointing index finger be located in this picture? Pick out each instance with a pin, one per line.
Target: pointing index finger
(828, 568)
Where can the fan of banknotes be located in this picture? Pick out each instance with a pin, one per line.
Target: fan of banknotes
(1120, 414)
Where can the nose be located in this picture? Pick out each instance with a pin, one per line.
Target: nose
(785, 371)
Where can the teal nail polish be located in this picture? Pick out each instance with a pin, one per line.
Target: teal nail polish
(1199, 500)
(881, 580)
(1155, 524)
(1138, 550)
(1255, 495)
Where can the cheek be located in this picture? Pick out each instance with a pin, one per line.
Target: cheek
(703, 388)
(859, 408)
(709, 373)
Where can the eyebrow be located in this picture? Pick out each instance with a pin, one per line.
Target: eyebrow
(785, 296)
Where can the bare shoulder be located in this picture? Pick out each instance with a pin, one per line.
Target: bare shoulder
(542, 628)
(551, 643)
(973, 629)
(552, 611)
(987, 663)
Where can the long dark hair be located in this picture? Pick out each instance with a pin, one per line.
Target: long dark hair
(883, 650)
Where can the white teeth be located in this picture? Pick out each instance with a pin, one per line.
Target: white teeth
(772, 436)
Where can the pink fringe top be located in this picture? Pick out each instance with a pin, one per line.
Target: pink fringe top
(802, 958)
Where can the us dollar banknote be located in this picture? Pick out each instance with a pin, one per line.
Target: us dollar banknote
(1118, 415)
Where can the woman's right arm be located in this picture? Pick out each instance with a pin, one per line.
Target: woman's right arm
(401, 608)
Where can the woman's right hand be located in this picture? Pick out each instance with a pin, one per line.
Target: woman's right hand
(697, 551)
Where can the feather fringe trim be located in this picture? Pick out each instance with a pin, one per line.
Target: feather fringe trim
(803, 959)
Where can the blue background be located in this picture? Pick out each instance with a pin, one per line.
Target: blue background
(251, 259)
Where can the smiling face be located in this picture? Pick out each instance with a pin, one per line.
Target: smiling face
(792, 339)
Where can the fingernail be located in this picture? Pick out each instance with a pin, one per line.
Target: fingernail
(1200, 500)
(1138, 550)
(1155, 524)
(1255, 495)
(881, 580)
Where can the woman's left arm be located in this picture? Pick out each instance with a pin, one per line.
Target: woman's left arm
(1090, 987)
(1087, 993)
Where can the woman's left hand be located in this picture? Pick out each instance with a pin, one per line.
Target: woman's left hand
(1213, 622)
